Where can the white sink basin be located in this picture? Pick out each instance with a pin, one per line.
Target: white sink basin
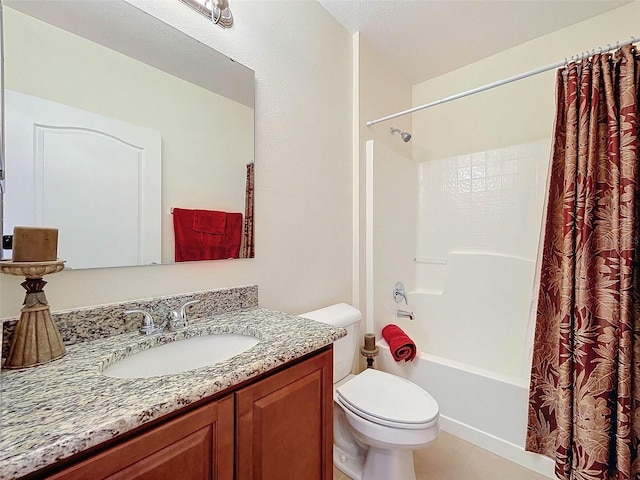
(181, 356)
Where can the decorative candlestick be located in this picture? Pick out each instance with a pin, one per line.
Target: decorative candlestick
(369, 349)
(36, 339)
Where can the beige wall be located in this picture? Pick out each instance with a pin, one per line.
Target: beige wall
(383, 91)
(513, 114)
(393, 230)
(302, 60)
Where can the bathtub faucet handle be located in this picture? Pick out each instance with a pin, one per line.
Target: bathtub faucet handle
(400, 293)
(404, 313)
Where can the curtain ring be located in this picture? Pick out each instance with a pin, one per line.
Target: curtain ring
(600, 50)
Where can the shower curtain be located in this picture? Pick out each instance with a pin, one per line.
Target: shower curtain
(584, 405)
(248, 244)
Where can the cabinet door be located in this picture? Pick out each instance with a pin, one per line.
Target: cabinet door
(197, 445)
(285, 424)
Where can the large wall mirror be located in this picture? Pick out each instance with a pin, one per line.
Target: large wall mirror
(115, 122)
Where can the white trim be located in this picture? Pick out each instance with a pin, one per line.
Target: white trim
(369, 235)
(355, 181)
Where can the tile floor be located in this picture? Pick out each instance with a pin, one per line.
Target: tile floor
(451, 458)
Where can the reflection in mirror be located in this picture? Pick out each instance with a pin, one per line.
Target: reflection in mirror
(116, 121)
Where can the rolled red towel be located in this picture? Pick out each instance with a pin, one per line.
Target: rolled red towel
(402, 347)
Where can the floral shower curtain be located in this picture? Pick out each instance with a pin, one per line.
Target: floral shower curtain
(584, 405)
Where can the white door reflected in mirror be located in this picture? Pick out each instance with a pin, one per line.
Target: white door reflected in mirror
(73, 160)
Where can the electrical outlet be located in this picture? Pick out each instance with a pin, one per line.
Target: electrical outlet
(7, 242)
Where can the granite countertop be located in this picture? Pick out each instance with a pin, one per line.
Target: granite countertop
(53, 411)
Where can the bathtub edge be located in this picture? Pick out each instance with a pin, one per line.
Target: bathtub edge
(515, 453)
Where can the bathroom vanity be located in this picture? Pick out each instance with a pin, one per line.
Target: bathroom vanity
(282, 426)
(264, 413)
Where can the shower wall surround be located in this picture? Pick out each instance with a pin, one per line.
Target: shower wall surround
(479, 220)
(483, 202)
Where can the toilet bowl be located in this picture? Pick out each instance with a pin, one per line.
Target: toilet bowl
(379, 418)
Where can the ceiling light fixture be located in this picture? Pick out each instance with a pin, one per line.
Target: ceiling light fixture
(216, 10)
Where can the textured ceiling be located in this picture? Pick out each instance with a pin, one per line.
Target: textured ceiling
(418, 36)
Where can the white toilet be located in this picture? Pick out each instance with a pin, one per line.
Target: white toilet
(378, 418)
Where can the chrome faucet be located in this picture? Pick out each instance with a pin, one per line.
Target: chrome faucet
(178, 318)
(405, 313)
(148, 327)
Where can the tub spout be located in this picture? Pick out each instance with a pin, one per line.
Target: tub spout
(404, 313)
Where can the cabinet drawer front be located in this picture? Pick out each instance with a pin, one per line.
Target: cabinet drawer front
(198, 445)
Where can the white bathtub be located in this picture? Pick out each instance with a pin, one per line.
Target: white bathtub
(484, 408)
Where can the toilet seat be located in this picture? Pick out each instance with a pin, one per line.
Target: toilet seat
(388, 400)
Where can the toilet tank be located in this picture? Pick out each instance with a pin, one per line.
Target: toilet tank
(347, 317)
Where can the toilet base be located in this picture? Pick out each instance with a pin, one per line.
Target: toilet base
(384, 464)
(379, 464)
(350, 465)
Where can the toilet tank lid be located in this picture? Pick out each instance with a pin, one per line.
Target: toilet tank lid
(339, 315)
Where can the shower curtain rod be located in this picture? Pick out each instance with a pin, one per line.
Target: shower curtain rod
(506, 80)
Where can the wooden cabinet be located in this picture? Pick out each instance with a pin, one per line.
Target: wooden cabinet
(284, 425)
(279, 427)
(196, 446)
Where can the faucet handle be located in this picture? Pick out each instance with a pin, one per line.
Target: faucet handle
(148, 327)
(183, 309)
(400, 293)
(178, 318)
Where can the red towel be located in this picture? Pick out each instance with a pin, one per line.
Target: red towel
(402, 347)
(206, 234)
(233, 235)
(209, 221)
